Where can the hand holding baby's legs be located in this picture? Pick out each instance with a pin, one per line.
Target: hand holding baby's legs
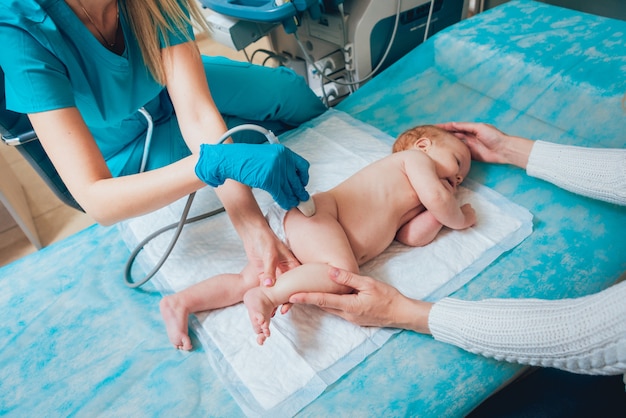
(263, 301)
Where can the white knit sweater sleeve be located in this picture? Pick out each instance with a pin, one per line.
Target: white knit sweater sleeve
(586, 335)
(599, 173)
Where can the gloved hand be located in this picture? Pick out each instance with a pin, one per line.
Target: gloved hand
(271, 167)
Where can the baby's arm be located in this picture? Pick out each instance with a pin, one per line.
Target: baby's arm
(437, 194)
(446, 210)
(420, 230)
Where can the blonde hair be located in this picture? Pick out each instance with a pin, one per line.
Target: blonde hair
(151, 19)
(408, 138)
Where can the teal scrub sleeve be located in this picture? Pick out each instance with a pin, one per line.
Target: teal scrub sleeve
(34, 82)
(270, 167)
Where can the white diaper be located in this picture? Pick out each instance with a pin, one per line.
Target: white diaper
(275, 217)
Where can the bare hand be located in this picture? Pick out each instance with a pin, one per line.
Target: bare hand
(485, 142)
(488, 144)
(373, 303)
(270, 257)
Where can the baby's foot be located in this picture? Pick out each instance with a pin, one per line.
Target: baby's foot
(176, 318)
(260, 309)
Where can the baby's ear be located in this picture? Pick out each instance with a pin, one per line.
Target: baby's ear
(423, 144)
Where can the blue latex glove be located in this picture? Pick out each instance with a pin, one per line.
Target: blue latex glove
(271, 167)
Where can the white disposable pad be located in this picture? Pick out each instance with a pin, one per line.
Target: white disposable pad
(309, 349)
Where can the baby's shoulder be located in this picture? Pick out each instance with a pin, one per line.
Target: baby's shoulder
(411, 156)
(410, 153)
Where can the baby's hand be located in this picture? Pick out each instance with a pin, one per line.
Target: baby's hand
(470, 214)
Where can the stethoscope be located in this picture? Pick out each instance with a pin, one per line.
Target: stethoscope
(307, 207)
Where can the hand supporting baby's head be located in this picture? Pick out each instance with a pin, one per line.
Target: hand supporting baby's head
(451, 155)
(411, 137)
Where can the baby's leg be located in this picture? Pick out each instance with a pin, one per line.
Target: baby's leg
(317, 242)
(419, 231)
(262, 301)
(216, 292)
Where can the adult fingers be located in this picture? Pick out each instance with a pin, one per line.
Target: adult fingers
(470, 127)
(270, 262)
(297, 189)
(299, 179)
(448, 126)
(302, 168)
(348, 279)
(329, 302)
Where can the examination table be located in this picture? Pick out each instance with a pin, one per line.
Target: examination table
(75, 341)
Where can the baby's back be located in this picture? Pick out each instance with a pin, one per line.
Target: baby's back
(374, 203)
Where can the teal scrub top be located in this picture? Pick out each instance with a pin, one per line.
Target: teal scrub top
(55, 62)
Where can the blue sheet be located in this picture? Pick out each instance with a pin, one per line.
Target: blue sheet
(75, 341)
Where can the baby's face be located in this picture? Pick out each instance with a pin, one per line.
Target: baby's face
(452, 159)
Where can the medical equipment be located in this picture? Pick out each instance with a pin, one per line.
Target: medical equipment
(337, 45)
(306, 207)
(236, 34)
(148, 141)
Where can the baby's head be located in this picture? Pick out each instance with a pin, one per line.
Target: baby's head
(451, 156)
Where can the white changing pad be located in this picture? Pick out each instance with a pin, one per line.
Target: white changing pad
(309, 349)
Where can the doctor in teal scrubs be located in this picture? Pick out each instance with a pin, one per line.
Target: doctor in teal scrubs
(83, 69)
